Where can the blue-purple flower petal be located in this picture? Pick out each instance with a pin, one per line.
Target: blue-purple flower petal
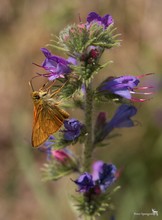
(84, 182)
(104, 174)
(121, 119)
(121, 86)
(72, 129)
(123, 116)
(104, 21)
(56, 67)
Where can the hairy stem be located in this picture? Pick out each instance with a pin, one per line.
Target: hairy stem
(89, 218)
(88, 146)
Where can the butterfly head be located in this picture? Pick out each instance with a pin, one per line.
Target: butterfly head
(38, 95)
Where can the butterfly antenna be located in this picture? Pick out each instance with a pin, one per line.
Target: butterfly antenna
(31, 84)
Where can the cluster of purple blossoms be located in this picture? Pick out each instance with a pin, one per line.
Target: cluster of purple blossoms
(58, 67)
(92, 53)
(72, 129)
(102, 177)
(125, 87)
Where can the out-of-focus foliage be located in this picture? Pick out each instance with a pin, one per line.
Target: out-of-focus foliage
(25, 26)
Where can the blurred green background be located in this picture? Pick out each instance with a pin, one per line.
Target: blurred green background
(25, 27)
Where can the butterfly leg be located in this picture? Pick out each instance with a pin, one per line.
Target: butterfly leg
(58, 90)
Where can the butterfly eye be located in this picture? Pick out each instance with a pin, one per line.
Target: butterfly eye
(37, 97)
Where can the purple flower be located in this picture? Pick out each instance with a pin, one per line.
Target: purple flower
(104, 174)
(56, 66)
(104, 21)
(121, 119)
(72, 129)
(85, 182)
(124, 86)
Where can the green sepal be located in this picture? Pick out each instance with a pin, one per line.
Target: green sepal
(102, 145)
(103, 38)
(54, 170)
(56, 47)
(89, 71)
(86, 73)
(96, 205)
(73, 85)
(73, 39)
(106, 97)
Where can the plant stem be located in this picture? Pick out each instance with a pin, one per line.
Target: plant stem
(89, 218)
(88, 146)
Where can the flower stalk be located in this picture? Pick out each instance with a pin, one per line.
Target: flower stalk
(88, 145)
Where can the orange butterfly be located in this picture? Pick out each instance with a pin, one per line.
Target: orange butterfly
(48, 117)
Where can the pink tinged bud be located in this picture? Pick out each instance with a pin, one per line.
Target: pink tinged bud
(60, 155)
(100, 121)
(94, 53)
(82, 26)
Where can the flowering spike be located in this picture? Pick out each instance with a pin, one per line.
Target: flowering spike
(84, 44)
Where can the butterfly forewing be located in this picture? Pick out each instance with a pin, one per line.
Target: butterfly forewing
(48, 118)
